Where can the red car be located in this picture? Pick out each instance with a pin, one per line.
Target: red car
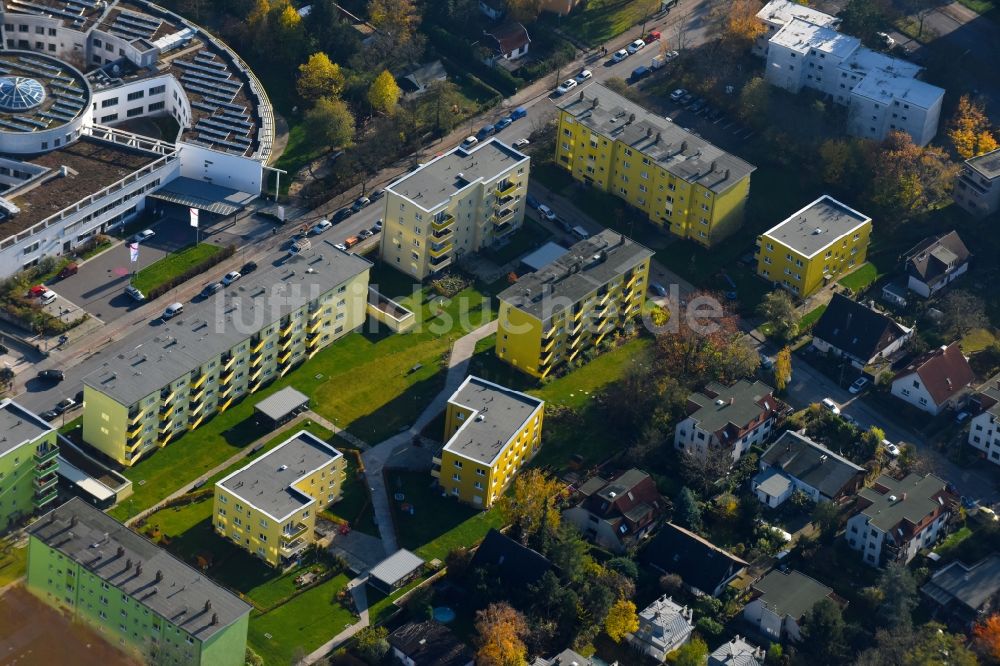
(653, 36)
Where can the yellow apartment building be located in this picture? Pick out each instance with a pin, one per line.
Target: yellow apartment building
(269, 507)
(460, 202)
(491, 432)
(814, 246)
(681, 182)
(221, 349)
(551, 316)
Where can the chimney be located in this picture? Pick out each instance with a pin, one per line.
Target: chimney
(215, 619)
(128, 564)
(631, 118)
(208, 605)
(138, 569)
(72, 521)
(120, 552)
(159, 576)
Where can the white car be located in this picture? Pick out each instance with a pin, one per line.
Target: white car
(134, 293)
(891, 448)
(635, 46)
(831, 405)
(566, 86)
(584, 75)
(321, 226)
(521, 143)
(341, 247)
(546, 213)
(670, 55)
(886, 39)
(230, 277)
(469, 142)
(678, 94)
(859, 385)
(620, 55)
(143, 235)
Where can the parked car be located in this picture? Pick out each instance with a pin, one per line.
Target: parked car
(485, 132)
(134, 293)
(678, 95)
(639, 73)
(342, 215)
(686, 99)
(503, 123)
(352, 241)
(378, 226)
(521, 143)
(51, 375)
(143, 235)
(78, 397)
(766, 361)
(891, 448)
(653, 36)
(341, 247)
(831, 405)
(50, 415)
(620, 55)
(360, 203)
(68, 270)
(248, 267)
(859, 385)
(212, 288)
(469, 142)
(365, 233)
(657, 289)
(321, 226)
(886, 40)
(580, 232)
(670, 55)
(518, 113)
(546, 213)
(375, 195)
(697, 105)
(584, 75)
(230, 277)
(635, 46)
(173, 310)
(64, 405)
(962, 417)
(48, 296)
(566, 86)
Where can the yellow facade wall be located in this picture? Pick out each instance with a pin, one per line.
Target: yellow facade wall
(803, 275)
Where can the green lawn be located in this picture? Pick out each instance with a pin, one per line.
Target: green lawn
(13, 565)
(977, 340)
(983, 7)
(285, 634)
(861, 278)
(438, 524)
(390, 398)
(947, 548)
(173, 265)
(600, 20)
(355, 506)
(576, 388)
(810, 318)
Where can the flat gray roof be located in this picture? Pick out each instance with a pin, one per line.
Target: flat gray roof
(987, 164)
(911, 499)
(194, 193)
(675, 149)
(208, 328)
(266, 483)
(396, 567)
(584, 268)
(543, 256)
(19, 426)
(791, 593)
(435, 182)
(810, 229)
(498, 413)
(136, 566)
(281, 403)
(740, 404)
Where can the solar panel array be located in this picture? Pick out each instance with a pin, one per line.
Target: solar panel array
(76, 12)
(130, 25)
(65, 98)
(225, 124)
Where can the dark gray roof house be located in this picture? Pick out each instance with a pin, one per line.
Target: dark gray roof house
(429, 643)
(854, 330)
(935, 262)
(795, 462)
(515, 565)
(703, 566)
(966, 592)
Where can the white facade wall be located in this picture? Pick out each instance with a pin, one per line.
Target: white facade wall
(770, 623)
(233, 171)
(43, 34)
(868, 540)
(875, 119)
(911, 389)
(984, 434)
(159, 95)
(921, 288)
(688, 436)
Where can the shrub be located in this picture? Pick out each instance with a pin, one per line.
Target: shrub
(197, 269)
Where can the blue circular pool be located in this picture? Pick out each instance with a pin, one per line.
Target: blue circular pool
(444, 614)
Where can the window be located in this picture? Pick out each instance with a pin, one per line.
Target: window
(111, 101)
(138, 94)
(132, 113)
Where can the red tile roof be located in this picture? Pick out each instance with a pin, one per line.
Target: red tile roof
(944, 372)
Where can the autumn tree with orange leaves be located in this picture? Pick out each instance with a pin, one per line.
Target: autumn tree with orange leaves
(501, 632)
(740, 26)
(969, 129)
(987, 637)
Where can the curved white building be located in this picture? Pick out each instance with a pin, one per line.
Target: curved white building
(71, 71)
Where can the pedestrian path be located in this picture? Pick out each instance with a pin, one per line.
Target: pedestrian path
(357, 588)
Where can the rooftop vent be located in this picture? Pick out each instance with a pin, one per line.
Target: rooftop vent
(817, 231)
(283, 468)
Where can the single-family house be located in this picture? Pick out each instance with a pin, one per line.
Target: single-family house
(780, 600)
(935, 263)
(936, 380)
(795, 462)
(857, 332)
(509, 42)
(618, 513)
(737, 652)
(730, 417)
(895, 518)
(984, 428)
(419, 79)
(567, 657)
(664, 626)
(965, 594)
(705, 568)
(428, 643)
(513, 565)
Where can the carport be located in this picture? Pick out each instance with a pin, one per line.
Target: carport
(215, 200)
(280, 408)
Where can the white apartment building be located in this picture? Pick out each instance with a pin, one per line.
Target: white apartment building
(882, 93)
(460, 202)
(899, 517)
(732, 417)
(776, 14)
(977, 188)
(984, 428)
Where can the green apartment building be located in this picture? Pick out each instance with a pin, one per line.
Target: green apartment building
(139, 596)
(28, 464)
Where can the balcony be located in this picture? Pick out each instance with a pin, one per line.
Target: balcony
(45, 454)
(440, 263)
(44, 482)
(166, 427)
(442, 222)
(286, 328)
(284, 357)
(576, 315)
(293, 532)
(196, 396)
(575, 342)
(168, 396)
(315, 312)
(227, 362)
(446, 234)
(286, 344)
(226, 378)
(546, 358)
(440, 249)
(135, 417)
(547, 346)
(256, 346)
(293, 548)
(198, 380)
(255, 361)
(506, 189)
(195, 408)
(256, 374)
(314, 328)
(43, 497)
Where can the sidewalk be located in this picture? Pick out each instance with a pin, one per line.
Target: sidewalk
(357, 588)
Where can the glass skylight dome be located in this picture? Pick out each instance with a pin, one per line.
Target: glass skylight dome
(20, 94)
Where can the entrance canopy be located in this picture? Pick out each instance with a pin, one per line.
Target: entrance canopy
(198, 194)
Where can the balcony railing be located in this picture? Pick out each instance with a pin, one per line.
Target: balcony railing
(45, 454)
(506, 189)
(227, 362)
(443, 235)
(438, 263)
(284, 358)
(257, 346)
(199, 381)
(43, 497)
(43, 483)
(297, 530)
(439, 250)
(136, 417)
(443, 222)
(293, 548)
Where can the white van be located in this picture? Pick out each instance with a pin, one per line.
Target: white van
(48, 297)
(580, 232)
(173, 310)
